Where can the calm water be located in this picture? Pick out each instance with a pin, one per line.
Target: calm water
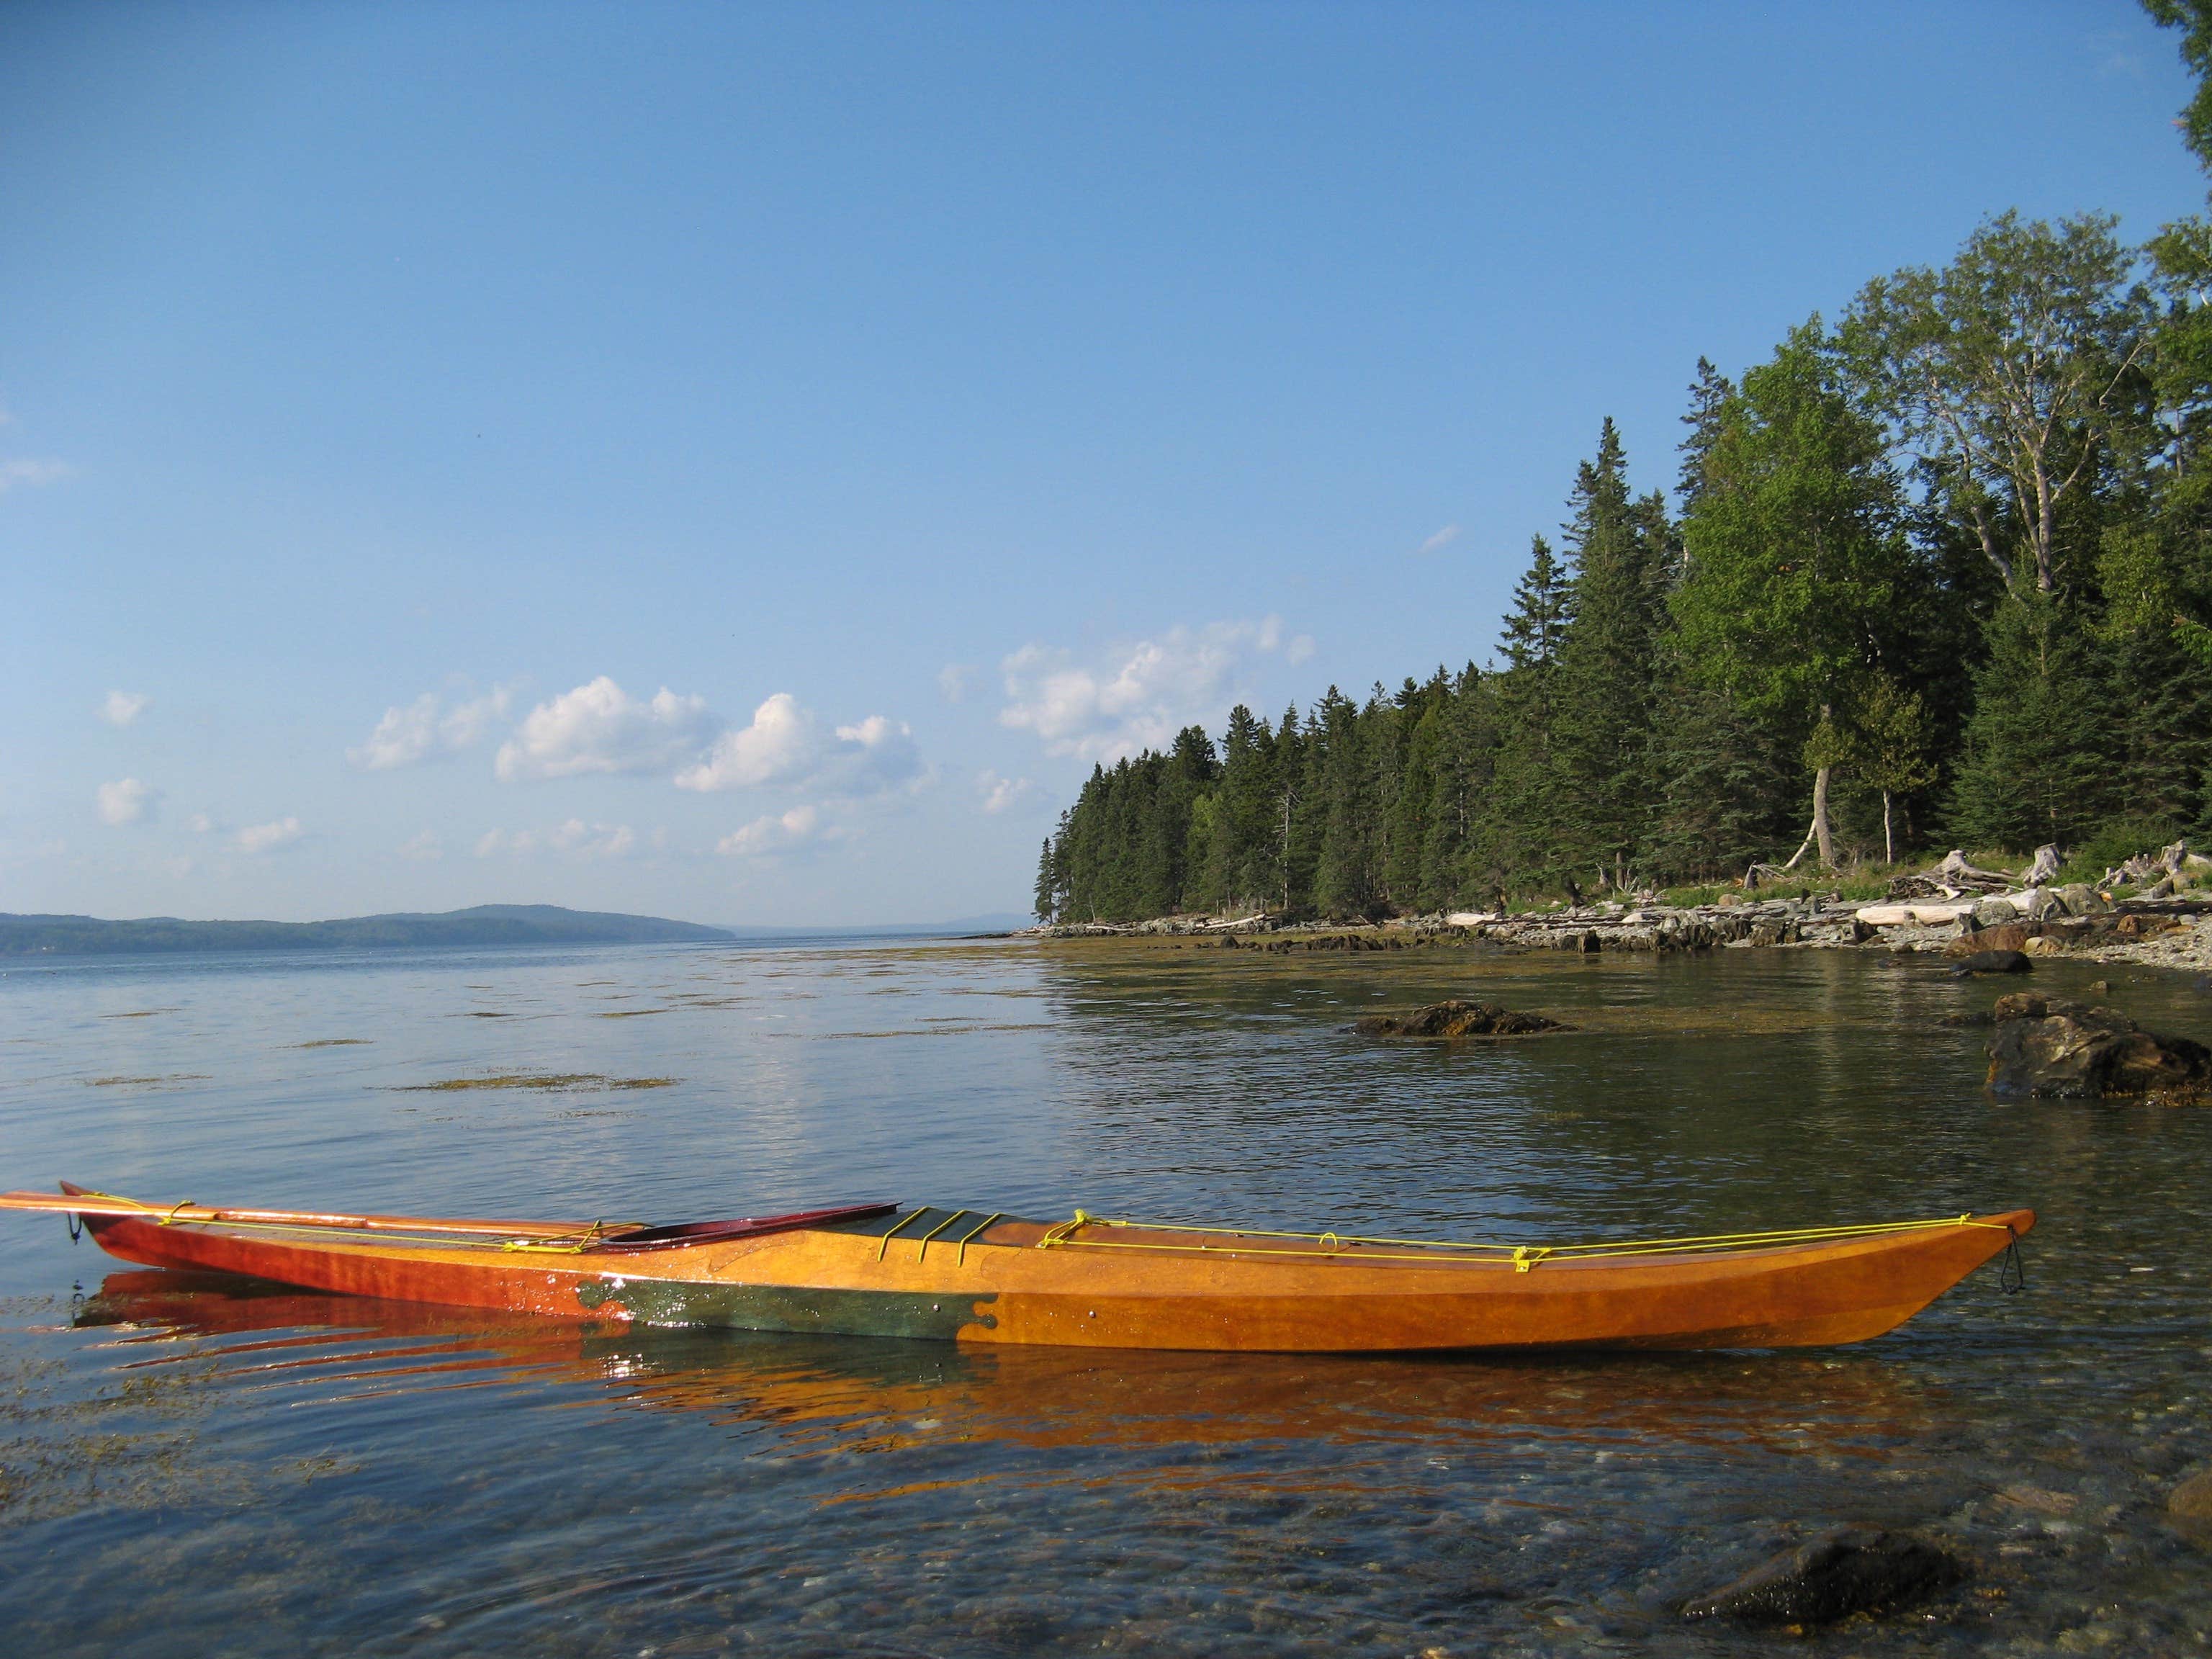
(187, 1467)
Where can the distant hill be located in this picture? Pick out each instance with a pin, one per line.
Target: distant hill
(485, 924)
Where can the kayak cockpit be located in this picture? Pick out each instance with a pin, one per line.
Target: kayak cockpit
(681, 1233)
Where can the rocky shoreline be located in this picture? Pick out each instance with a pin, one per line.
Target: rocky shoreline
(2079, 922)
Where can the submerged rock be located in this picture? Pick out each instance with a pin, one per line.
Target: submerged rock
(1992, 962)
(2192, 1499)
(1457, 1019)
(2050, 1049)
(1851, 1570)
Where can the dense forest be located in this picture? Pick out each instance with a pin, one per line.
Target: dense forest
(1940, 570)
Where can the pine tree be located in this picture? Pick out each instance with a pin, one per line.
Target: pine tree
(1709, 397)
(1513, 840)
(1050, 891)
(1463, 767)
(1176, 779)
(1243, 868)
(2036, 769)
(1728, 785)
(1343, 880)
(1608, 658)
(1296, 844)
(1427, 710)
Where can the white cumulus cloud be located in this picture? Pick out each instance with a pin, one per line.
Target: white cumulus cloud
(999, 793)
(268, 837)
(782, 832)
(430, 726)
(121, 707)
(785, 745)
(600, 727)
(782, 746)
(954, 679)
(424, 847)
(126, 801)
(1142, 694)
(1441, 540)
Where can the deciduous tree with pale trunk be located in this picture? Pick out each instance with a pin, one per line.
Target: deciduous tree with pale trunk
(2011, 371)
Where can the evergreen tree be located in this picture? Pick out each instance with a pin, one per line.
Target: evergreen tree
(1709, 397)
(1513, 842)
(1343, 879)
(1050, 890)
(1606, 660)
(1168, 787)
(2035, 769)
(1422, 712)
(2159, 694)
(1463, 770)
(1296, 846)
(1243, 868)
(1727, 788)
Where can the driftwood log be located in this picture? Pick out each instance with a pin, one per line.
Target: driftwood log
(2168, 862)
(1956, 876)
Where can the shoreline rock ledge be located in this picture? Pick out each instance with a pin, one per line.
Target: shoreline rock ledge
(2045, 1049)
(1450, 1021)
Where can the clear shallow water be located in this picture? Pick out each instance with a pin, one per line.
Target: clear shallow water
(187, 1467)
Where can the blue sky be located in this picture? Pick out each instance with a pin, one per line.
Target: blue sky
(746, 464)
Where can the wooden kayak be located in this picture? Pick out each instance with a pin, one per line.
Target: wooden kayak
(961, 1275)
(877, 1396)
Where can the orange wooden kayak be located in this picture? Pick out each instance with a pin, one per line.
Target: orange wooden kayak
(882, 1396)
(962, 1275)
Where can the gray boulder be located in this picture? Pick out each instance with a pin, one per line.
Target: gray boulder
(2045, 1049)
(2083, 900)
